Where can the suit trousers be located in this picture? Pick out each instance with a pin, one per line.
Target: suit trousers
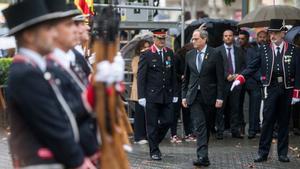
(231, 102)
(139, 123)
(158, 121)
(254, 108)
(201, 115)
(277, 108)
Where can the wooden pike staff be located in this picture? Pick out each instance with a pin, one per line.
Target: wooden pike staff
(109, 108)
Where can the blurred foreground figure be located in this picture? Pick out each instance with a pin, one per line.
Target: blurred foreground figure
(44, 132)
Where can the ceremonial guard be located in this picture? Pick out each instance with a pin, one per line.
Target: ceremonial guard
(277, 62)
(43, 132)
(59, 64)
(157, 90)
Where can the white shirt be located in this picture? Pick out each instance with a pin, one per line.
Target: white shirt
(231, 54)
(35, 57)
(79, 49)
(63, 58)
(159, 50)
(275, 47)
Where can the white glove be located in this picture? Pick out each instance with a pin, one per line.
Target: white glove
(295, 100)
(117, 72)
(103, 73)
(175, 99)
(142, 102)
(118, 67)
(234, 84)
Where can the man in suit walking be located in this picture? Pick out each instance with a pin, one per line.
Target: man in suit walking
(202, 90)
(157, 90)
(277, 62)
(233, 63)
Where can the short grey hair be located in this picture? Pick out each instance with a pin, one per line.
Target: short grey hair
(203, 33)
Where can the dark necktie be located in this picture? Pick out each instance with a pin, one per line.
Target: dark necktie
(230, 66)
(199, 61)
(278, 51)
(161, 55)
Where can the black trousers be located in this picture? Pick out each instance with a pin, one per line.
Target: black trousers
(276, 108)
(231, 102)
(186, 118)
(158, 121)
(201, 115)
(139, 122)
(254, 108)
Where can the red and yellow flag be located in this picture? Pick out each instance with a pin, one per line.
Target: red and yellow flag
(86, 6)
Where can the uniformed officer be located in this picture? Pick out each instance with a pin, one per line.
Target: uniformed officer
(277, 64)
(157, 89)
(43, 134)
(71, 86)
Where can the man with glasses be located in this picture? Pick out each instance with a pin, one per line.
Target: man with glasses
(157, 90)
(202, 90)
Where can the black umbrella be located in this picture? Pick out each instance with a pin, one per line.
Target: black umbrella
(291, 34)
(214, 27)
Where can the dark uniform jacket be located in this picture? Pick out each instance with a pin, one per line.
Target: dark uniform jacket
(265, 61)
(72, 94)
(156, 78)
(81, 67)
(40, 129)
(255, 80)
(210, 78)
(239, 59)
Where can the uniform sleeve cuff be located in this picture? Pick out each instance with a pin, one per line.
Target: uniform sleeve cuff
(296, 93)
(241, 79)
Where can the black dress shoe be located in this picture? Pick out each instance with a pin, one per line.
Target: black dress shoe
(237, 135)
(251, 136)
(202, 161)
(260, 159)
(155, 157)
(284, 159)
(219, 136)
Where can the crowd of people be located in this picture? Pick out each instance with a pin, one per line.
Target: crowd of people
(205, 84)
(52, 105)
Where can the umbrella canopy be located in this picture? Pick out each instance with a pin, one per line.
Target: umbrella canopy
(262, 15)
(214, 27)
(128, 51)
(291, 34)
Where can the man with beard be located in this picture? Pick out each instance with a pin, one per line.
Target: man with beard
(277, 62)
(253, 86)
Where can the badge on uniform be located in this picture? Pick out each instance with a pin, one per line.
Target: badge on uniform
(206, 56)
(287, 58)
(154, 60)
(168, 62)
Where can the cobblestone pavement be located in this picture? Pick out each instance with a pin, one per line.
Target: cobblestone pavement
(224, 154)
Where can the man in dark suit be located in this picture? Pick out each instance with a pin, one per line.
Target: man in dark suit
(253, 86)
(43, 135)
(233, 63)
(157, 90)
(277, 62)
(202, 90)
